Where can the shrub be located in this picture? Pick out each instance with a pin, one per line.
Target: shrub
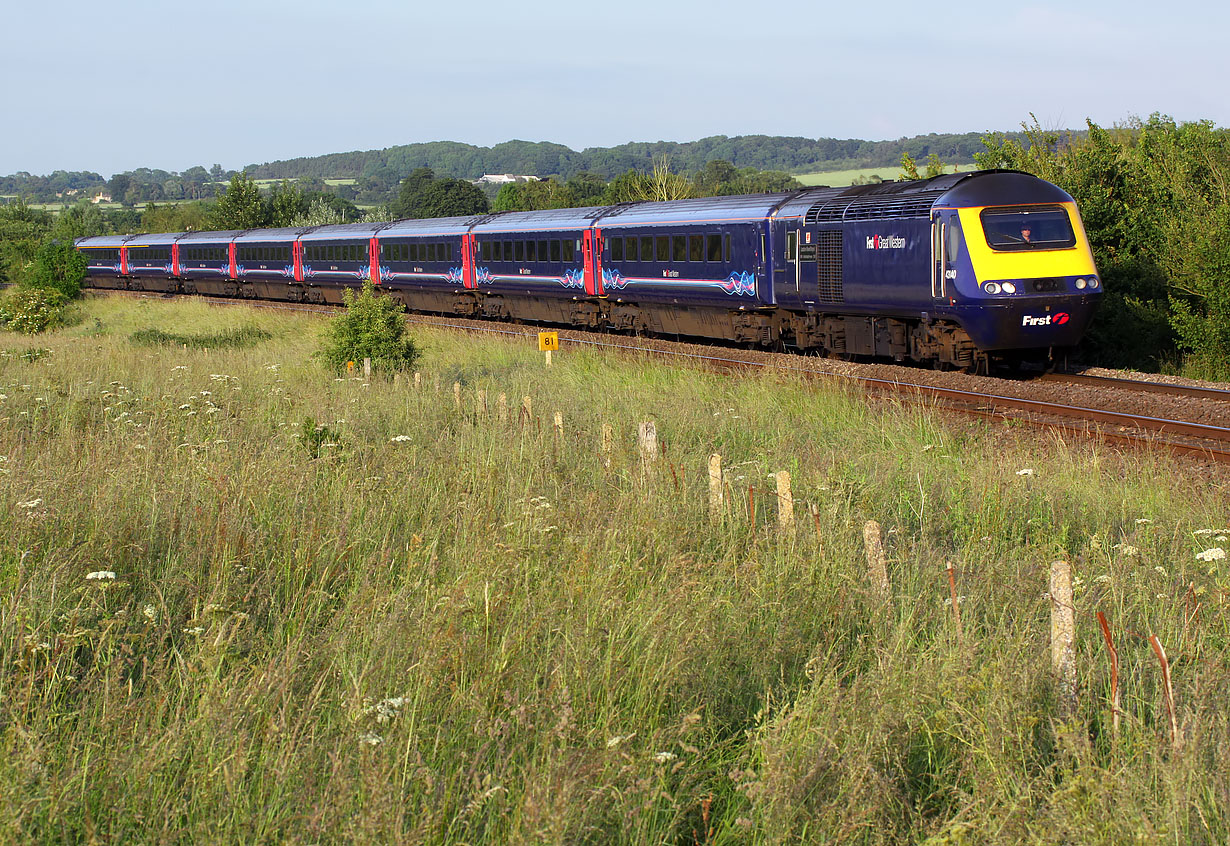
(57, 267)
(33, 310)
(372, 327)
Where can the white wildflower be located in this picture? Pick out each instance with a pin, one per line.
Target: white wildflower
(1102, 578)
(185, 406)
(195, 630)
(1127, 549)
(100, 575)
(398, 439)
(618, 739)
(371, 739)
(150, 612)
(665, 757)
(1214, 554)
(386, 709)
(31, 503)
(1028, 471)
(1204, 532)
(1160, 570)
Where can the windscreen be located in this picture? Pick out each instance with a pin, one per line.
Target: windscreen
(1028, 228)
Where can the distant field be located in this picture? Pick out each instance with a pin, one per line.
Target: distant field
(838, 178)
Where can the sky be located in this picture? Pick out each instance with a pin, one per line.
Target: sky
(108, 87)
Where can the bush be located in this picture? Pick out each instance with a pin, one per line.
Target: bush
(372, 327)
(33, 310)
(57, 267)
(244, 336)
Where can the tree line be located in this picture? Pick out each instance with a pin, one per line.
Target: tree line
(378, 174)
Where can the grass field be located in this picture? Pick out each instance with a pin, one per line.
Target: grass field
(244, 601)
(839, 178)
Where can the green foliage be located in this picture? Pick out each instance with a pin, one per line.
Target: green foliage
(244, 336)
(57, 267)
(317, 437)
(372, 327)
(22, 232)
(909, 167)
(423, 195)
(533, 196)
(30, 310)
(178, 217)
(1153, 197)
(241, 206)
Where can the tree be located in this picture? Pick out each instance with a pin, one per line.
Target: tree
(286, 202)
(241, 206)
(413, 187)
(449, 197)
(532, 196)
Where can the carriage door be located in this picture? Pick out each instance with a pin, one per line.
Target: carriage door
(939, 267)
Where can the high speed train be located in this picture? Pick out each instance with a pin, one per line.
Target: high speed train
(956, 271)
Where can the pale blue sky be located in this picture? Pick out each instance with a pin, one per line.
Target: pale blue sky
(110, 86)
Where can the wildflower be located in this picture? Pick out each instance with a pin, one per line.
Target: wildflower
(100, 575)
(397, 439)
(618, 739)
(185, 406)
(928, 447)
(1127, 549)
(386, 709)
(371, 739)
(1214, 554)
(1028, 471)
(195, 630)
(31, 503)
(665, 757)
(1102, 578)
(150, 612)
(1204, 532)
(1160, 570)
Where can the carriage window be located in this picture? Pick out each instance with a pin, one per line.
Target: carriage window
(630, 249)
(519, 246)
(617, 249)
(531, 250)
(696, 248)
(508, 251)
(431, 252)
(726, 239)
(714, 250)
(663, 248)
(1027, 228)
(555, 251)
(792, 246)
(543, 250)
(679, 248)
(570, 250)
(450, 251)
(485, 250)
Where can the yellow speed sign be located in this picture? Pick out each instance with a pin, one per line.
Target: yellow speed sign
(548, 341)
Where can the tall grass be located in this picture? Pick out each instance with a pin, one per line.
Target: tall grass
(445, 630)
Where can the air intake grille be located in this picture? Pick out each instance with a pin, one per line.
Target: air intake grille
(838, 209)
(828, 266)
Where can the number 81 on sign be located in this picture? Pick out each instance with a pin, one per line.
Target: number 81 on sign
(548, 341)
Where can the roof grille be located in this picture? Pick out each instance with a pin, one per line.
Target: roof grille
(872, 207)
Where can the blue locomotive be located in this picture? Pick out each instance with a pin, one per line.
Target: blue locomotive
(954, 271)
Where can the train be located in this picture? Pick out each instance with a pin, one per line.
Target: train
(961, 271)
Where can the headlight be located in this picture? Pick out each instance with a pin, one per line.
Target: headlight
(1009, 288)
(1080, 284)
(991, 287)
(1093, 282)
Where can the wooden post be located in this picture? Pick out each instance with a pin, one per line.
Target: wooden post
(548, 359)
(877, 566)
(608, 442)
(501, 408)
(367, 369)
(1063, 634)
(397, 380)
(457, 395)
(559, 423)
(956, 606)
(647, 441)
(785, 500)
(715, 485)
(418, 380)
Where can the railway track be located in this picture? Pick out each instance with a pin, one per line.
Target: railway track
(1135, 427)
